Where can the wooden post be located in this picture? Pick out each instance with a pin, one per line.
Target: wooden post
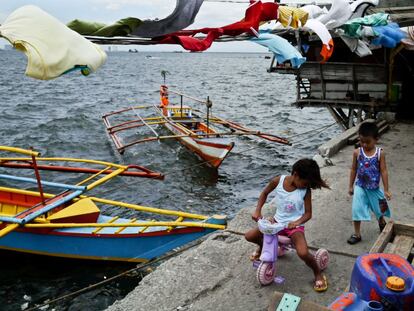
(350, 118)
(208, 104)
(359, 115)
(181, 103)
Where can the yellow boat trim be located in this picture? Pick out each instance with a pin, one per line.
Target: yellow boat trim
(28, 192)
(93, 176)
(149, 209)
(145, 228)
(179, 219)
(20, 150)
(123, 228)
(141, 224)
(106, 178)
(74, 256)
(109, 222)
(117, 203)
(79, 208)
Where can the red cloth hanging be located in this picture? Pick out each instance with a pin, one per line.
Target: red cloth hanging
(256, 13)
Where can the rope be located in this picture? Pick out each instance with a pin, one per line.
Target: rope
(227, 1)
(316, 130)
(101, 283)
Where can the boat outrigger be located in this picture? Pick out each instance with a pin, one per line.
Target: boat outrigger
(197, 131)
(68, 223)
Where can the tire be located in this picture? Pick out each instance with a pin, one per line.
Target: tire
(266, 273)
(322, 258)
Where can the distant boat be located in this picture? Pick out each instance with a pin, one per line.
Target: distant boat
(133, 51)
(268, 57)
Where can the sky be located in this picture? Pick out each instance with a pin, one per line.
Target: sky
(211, 14)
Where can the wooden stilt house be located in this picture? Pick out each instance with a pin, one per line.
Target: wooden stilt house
(355, 88)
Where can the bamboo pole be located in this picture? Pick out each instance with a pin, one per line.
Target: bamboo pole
(19, 150)
(147, 209)
(199, 136)
(143, 121)
(135, 207)
(128, 224)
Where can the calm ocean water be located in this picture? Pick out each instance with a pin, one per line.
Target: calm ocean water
(62, 117)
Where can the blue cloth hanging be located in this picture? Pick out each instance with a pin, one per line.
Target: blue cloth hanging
(282, 49)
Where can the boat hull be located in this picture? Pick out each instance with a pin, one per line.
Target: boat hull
(213, 150)
(111, 247)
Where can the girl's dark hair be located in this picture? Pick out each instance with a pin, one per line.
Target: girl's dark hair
(368, 129)
(308, 169)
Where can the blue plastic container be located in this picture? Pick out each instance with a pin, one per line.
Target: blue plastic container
(369, 279)
(351, 302)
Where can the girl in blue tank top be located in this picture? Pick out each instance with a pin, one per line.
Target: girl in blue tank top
(368, 166)
(294, 209)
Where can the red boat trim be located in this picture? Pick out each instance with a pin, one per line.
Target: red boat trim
(228, 146)
(145, 172)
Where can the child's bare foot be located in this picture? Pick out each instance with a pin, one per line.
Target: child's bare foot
(256, 254)
(321, 283)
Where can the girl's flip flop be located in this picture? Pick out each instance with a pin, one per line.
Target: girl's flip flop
(321, 286)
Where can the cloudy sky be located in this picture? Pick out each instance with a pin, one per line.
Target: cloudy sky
(211, 14)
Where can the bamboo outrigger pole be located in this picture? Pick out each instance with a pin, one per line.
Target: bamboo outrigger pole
(189, 135)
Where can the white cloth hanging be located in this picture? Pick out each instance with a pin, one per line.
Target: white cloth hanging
(50, 46)
(338, 15)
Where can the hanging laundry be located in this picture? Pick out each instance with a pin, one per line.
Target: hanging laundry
(282, 49)
(353, 27)
(121, 28)
(182, 17)
(323, 34)
(256, 13)
(314, 11)
(339, 13)
(292, 17)
(51, 48)
(359, 7)
(388, 36)
(357, 46)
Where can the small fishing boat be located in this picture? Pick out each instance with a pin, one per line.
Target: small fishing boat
(202, 133)
(65, 222)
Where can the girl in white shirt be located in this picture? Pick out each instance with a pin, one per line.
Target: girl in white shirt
(293, 208)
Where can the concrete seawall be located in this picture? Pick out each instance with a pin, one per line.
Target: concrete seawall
(217, 274)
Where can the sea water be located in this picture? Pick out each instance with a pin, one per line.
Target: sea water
(62, 117)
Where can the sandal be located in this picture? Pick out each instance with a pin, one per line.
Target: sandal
(321, 285)
(354, 239)
(255, 255)
(381, 223)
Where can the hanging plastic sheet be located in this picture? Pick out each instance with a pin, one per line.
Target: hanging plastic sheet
(388, 36)
(323, 34)
(182, 17)
(123, 27)
(51, 48)
(255, 14)
(282, 49)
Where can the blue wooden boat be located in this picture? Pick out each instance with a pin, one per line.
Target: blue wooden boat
(68, 223)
